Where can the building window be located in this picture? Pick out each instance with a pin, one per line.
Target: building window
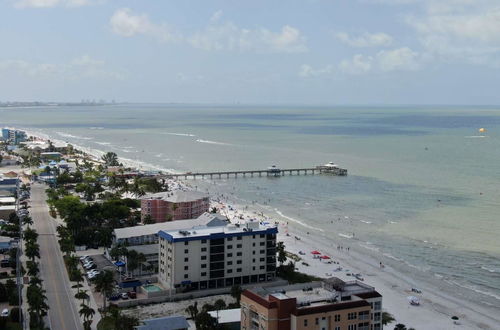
(377, 305)
(262, 251)
(262, 259)
(238, 238)
(203, 274)
(238, 270)
(253, 252)
(229, 238)
(238, 262)
(262, 243)
(305, 322)
(203, 265)
(316, 321)
(229, 271)
(337, 318)
(253, 260)
(352, 316)
(253, 268)
(185, 275)
(253, 244)
(229, 255)
(203, 249)
(238, 254)
(229, 263)
(203, 257)
(262, 267)
(262, 235)
(186, 259)
(186, 267)
(186, 243)
(229, 247)
(186, 251)
(203, 241)
(337, 328)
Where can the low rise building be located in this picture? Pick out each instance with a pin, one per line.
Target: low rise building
(329, 305)
(148, 234)
(174, 205)
(217, 257)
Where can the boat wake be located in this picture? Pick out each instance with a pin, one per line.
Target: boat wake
(297, 221)
(213, 142)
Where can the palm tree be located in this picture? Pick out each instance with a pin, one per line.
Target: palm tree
(88, 313)
(37, 305)
(33, 268)
(281, 252)
(32, 250)
(400, 326)
(104, 284)
(134, 260)
(82, 295)
(110, 159)
(30, 235)
(28, 221)
(236, 293)
(192, 310)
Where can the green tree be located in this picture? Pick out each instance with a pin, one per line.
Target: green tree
(236, 293)
(30, 235)
(204, 321)
(400, 326)
(32, 250)
(219, 304)
(387, 318)
(27, 220)
(104, 283)
(37, 306)
(33, 269)
(281, 252)
(134, 260)
(148, 220)
(87, 313)
(110, 159)
(192, 310)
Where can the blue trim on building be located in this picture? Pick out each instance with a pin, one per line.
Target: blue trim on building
(171, 239)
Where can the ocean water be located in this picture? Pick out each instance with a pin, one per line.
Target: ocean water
(422, 192)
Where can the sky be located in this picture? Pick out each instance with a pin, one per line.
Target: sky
(252, 52)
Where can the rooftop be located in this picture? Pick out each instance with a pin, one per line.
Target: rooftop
(315, 297)
(7, 200)
(248, 228)
(206, 219)
(227, 315)
(164, 323)
(177, 196)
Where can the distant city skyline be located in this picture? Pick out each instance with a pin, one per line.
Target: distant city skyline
(226, 52)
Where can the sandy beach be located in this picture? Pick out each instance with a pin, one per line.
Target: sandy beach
(436, 307)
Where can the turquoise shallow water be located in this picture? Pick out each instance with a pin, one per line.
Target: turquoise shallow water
(422, 191)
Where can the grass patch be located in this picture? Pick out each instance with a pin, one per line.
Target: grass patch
(297, 277)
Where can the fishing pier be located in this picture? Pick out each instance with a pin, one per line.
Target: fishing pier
(272, 171)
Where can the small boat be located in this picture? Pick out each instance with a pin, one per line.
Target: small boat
(332, 168)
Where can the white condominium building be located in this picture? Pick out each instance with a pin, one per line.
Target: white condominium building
(215, 257)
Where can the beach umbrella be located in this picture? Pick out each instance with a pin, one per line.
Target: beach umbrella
(315, 252)
(325, 257)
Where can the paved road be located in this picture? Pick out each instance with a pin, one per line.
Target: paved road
(63, 313)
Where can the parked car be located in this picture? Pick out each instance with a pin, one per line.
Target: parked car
(132, 294)
(90, 266)
(5, 312)
(124, 296)
(114, 296)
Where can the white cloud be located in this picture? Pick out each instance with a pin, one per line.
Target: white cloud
(359, 64)
(230, 37)
(50, 3)
(365, 40)
(80, 67)
(307, 71)
(398, 59)
(127, 24)
(216, 16)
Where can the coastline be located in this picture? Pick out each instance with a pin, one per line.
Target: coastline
(436, 309)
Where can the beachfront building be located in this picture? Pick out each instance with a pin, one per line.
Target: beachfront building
(148, 234)
(13, 136)
(329, 305)
(174, 205)
(216, 257)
